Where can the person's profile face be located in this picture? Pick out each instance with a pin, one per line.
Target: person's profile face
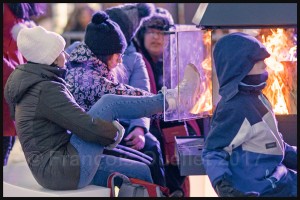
(115, 60)
(258, 68)
(61, 59)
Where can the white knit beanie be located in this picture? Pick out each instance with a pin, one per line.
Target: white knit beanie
(39, 45)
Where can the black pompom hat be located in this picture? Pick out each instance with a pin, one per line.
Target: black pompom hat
(103, 36)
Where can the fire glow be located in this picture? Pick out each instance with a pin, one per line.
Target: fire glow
(204, 104)
(281, 89)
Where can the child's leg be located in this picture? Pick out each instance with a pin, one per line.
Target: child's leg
(111, 107)
(95, 167)
(130, 168)
(108, 108)
(90, 156)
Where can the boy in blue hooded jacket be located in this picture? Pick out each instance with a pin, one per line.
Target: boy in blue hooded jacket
(244, 153)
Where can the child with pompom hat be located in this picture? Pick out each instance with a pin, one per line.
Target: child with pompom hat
(130, 71)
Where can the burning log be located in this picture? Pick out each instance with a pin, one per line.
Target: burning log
(281, 87)
(289, 75)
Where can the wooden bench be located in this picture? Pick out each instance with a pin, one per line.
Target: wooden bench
(19, 182)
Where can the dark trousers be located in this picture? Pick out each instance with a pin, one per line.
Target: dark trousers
(8, 143)
(151, 155)
(173, 179)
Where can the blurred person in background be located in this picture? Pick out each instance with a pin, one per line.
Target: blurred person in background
(79, 18)
(15, 17)
(77, 22)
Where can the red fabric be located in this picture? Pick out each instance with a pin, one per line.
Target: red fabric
(11, 58)
(195, 126)
(169, 135)
(9, 44)
(151, 76)
(186, 187)
(151, 187)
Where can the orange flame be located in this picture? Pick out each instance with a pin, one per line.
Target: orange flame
(282, 49)
(204, 103)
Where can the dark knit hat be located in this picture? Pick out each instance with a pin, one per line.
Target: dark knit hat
(103, 36)
(130, 17)
(161, 19)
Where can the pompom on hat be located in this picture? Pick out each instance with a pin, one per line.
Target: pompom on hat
(103, 36)
(130, 17)
(39, 45)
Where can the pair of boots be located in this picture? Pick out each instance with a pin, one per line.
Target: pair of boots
(187, 92)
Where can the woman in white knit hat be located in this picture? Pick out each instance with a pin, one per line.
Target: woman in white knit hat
(62, 143)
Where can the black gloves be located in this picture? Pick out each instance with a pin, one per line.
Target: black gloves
(290, 158)
(224, 189)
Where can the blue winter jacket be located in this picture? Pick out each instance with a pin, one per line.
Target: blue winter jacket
(244, 145)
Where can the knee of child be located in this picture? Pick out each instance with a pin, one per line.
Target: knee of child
(108, 97)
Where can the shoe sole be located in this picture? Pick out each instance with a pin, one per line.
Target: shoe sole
(193, 68)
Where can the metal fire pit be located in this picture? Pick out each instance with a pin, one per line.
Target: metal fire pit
(287, 125)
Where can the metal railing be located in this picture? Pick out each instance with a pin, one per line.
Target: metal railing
(73, 36)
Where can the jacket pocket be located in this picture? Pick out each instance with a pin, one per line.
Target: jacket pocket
(281, 183)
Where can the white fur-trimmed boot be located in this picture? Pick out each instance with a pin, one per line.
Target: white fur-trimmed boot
(187, 92)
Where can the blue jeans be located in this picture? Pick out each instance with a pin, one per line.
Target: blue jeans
(95, 167)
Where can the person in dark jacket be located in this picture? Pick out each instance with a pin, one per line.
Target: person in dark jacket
(62, 143)
(244, 153)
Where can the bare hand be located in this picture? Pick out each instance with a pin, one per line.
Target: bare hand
(136, 139)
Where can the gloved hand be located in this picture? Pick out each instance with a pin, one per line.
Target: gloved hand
(119, 137)
(290, 157)
(225, 189)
